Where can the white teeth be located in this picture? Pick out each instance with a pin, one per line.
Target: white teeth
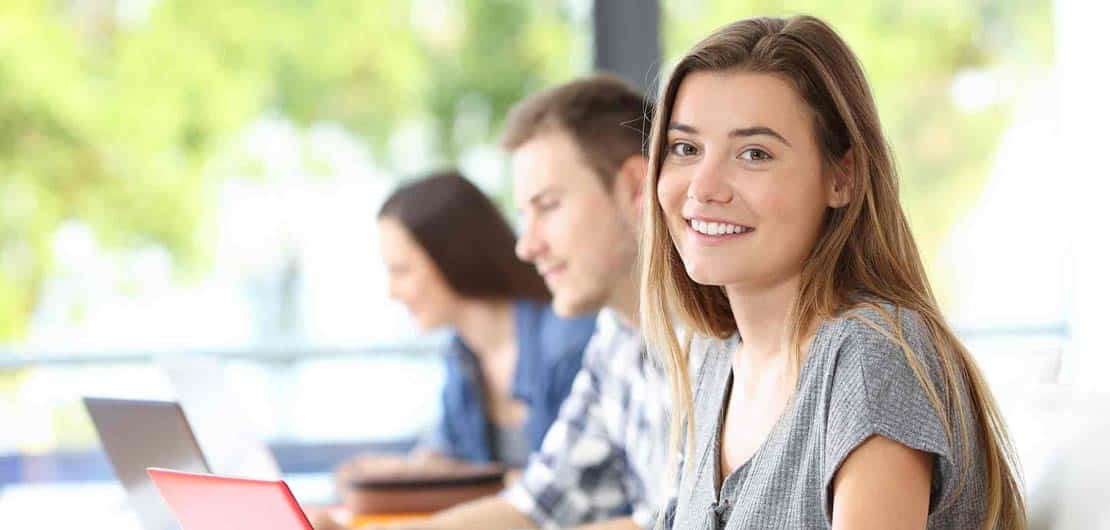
(717, 229)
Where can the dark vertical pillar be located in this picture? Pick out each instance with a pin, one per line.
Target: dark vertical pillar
(626, 40)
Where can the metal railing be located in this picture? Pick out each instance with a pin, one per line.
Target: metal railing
(11, 359)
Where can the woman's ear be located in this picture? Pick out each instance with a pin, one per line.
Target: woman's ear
(839, 183)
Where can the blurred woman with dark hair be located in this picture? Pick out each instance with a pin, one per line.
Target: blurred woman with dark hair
(511, 361)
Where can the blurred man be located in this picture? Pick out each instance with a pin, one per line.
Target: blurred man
(579, 173)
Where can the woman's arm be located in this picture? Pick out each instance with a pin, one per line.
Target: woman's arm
(882, 485)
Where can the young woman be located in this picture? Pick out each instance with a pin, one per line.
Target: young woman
(450, 260)
(827, 390)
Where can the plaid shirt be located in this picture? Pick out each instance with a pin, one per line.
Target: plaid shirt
(606, 454)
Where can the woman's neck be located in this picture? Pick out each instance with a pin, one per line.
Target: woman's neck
(762, 314)
(486, 326)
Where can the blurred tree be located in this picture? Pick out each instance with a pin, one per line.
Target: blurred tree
(113, 112)
(118, 113)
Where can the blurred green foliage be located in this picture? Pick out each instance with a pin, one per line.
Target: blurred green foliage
(115, 112)
(118, 113)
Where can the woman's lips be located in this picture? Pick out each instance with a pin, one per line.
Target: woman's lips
(551, 273)
(718, 233)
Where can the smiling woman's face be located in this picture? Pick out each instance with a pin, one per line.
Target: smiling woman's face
(742, 186)
(414, 278)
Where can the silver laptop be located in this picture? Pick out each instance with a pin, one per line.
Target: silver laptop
(140, 434)
(221, 425)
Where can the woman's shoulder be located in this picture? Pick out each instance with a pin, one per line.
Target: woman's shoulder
(542, 315)
(877, 326)
(576, 325)
(876, 346)
(548, 337)
(880, 348)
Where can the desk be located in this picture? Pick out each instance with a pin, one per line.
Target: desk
(360, 520)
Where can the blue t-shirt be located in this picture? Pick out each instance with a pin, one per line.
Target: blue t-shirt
(549, 356)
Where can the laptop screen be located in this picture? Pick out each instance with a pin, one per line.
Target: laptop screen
(141, 434)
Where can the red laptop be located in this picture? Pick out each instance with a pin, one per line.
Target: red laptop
(210, 502)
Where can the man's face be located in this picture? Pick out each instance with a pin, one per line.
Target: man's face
(580, 236)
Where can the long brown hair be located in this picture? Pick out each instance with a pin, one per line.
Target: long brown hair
(466, 236)
(865, 248)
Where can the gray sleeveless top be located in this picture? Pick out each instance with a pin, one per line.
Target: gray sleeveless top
(855, 382)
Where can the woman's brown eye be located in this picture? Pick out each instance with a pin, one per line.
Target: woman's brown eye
(683, 149)
(755, 155)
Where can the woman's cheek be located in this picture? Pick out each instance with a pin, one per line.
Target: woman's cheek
(769, 202)
(671, 192)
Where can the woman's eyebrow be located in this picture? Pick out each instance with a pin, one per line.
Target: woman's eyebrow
(681, 127)
(758, 130)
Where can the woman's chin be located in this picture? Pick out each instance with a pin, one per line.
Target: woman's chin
(430, 324)
(709, 278)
